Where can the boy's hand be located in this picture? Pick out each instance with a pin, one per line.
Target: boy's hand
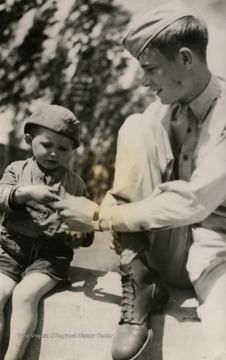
(74, 239)
(40, 193)
(44, 194)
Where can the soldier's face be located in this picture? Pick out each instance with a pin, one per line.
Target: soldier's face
(165, 78)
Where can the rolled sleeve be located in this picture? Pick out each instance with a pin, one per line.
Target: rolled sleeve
(176, 203)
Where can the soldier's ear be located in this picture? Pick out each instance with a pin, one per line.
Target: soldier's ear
(28, 140)
(185, 57)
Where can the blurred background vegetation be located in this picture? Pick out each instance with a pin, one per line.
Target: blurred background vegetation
(68, 52)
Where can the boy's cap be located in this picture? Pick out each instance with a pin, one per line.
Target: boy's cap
(58, 119)
(149, 26)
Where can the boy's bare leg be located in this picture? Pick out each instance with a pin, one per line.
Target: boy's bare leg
(6, 289)
(26, 297)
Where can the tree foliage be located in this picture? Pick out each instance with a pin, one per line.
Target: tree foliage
(69, 52)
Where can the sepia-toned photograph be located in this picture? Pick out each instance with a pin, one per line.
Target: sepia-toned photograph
(113, 180)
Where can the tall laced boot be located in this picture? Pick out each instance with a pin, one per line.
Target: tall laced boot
(141, 297)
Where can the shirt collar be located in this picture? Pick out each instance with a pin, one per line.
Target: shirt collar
(202, 103)
(41, 173)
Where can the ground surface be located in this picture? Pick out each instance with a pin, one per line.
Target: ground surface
(99, 256)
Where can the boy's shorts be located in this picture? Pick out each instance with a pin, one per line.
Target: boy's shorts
(21, 256)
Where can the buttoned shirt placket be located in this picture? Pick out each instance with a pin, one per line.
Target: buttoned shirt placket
(188, 147)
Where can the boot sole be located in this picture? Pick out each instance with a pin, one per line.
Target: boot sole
(140, 352)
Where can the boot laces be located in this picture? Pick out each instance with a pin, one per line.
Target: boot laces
(128, 296)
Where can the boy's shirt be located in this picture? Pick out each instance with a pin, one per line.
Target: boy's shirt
(33, 219)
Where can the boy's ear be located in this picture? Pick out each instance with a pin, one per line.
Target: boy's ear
(28, 140)
(186, 57)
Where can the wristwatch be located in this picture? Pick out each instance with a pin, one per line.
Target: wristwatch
(96, 220)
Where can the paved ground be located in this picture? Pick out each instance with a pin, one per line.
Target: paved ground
(99, 256)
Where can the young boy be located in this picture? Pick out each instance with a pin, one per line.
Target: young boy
(34, 253)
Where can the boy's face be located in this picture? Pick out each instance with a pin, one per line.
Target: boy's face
(50, 149)
(166, 78)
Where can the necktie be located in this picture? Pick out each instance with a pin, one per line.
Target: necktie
(184, 135)
(180, 126)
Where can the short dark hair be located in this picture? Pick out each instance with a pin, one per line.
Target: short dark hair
(33, 130)
(188, 31)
